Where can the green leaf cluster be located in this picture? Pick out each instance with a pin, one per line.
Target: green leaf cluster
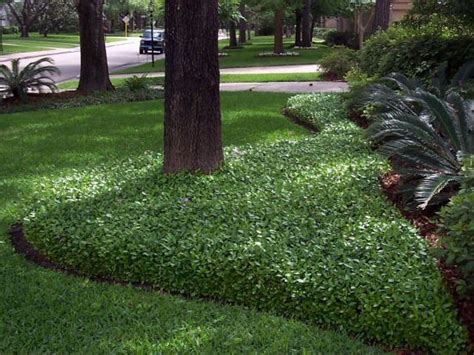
(295, 227)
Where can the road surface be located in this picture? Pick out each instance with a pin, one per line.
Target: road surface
(120, 55)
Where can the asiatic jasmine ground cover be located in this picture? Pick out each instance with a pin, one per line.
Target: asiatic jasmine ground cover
(296, 227)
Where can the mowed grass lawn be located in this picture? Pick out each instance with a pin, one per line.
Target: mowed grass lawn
(13, 43)
(248, 56)
(43, 311)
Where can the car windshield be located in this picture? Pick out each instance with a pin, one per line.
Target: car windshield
(156, 34)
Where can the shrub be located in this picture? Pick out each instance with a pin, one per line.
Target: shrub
(136, 83)
(423, 135)
(458, 223)
(34, 76)
(335, 38)
(318, 110)
(412, 54)
(295, 227)
(339, 63)
(10, 30)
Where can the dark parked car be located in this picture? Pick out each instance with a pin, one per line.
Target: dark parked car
(158, 42)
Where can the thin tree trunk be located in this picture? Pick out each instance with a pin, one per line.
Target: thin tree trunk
(25, 31)
(192, 104)
(382, 15)
(298, 33)
(94, 67)
(242, 24)
(279, 23)
(249, 34)
(313, 24)
(232, 34)
(306, 24)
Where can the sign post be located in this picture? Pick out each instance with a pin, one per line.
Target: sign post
(126, 21)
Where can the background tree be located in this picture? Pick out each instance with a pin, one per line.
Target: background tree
(363, 11)
(192, 104)
(58, 16)
(229, 16)
(26, 12)
(242, 22)
(382, 14)
(307, 39)
(94, 66)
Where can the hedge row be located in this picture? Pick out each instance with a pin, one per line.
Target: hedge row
(295, 227)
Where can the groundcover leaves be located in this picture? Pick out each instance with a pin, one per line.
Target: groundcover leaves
(295, 227)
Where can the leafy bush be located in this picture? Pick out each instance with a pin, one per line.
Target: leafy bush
(136, 83)
(336, 38)
(318, 110)
(9, 30)
(423, 135)
(413, 54)
(458, 222)
(339, 62)
(118, 96)
(34, 76)
(321, 32)
(296, 227)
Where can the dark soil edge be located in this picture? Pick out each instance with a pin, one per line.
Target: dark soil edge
(296, 120)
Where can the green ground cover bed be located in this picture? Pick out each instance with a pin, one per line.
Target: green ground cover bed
(247, 57)
(298, 227)
(225, 78)
(48, 312)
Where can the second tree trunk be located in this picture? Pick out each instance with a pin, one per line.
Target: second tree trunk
(192, 105)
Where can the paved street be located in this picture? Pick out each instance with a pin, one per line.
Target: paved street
(120, 55)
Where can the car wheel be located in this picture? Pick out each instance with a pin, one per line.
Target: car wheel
(141, 51)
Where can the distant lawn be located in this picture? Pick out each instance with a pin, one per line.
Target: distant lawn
(247, 57)
(225, 78)
(13, 43)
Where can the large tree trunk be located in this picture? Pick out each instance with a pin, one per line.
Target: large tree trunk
(298, 28)
(307, 20)
(279, 23)
(232, 34)
(242, 24)
(94, 67)
(382, 15)
(192, 104)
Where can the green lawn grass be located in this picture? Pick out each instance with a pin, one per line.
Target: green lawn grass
(247, 57)
(225, 78)
(44, 311)
(13, 43)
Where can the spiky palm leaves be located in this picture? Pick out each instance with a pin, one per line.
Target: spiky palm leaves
(424, 136)
(36, 75)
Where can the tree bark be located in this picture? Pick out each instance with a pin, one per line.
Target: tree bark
(192, 104)
(232, 34)
(382, 15)
(279, 23)
(25, 31)
(298, 28)
(242, 24)
(306, 24)
(94, 67)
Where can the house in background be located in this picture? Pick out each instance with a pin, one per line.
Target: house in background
(4, 16)
(398, 10)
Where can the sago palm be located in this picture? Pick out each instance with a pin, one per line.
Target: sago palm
(424, 136)
(34, 76)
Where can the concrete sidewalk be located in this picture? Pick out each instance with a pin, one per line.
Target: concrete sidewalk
(290, 87)
(282, 69)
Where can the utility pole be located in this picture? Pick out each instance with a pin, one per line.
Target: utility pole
(152, 35)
